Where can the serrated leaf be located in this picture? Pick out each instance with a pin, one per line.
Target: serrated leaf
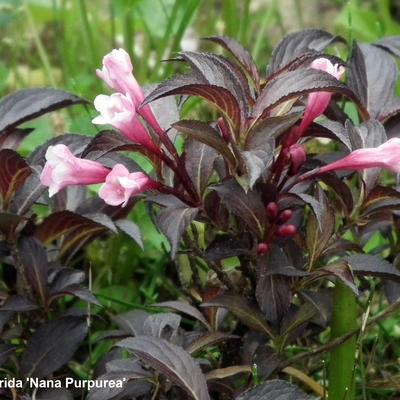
(245, 311)
(199, 162)
(298, 44)
(52, 346)
(26, 104)
(163, 326)
(171, 361)
(275, 390)
(204, 133)
(293, 84)
(195, 85)
(173, 222)
(240, 53)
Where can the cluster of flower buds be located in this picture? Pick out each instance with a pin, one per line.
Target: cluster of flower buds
(120, 110)
(279, 227)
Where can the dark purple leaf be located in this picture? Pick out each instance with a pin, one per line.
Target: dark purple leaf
(199, 161)
(390, 44)
(132, 322)
(262, 135)
(275, 390)
(77, 291)
(240, 53)
(28, 193)
(5, 351)
(293, 84)
(33, 258)
(13, 173)
(18, 304)
(52, 394)
(227, 246)
(163, 326)
(106, 142)
(256, 163)
(171, 361)
(295, 45)
(196, 85)
(209, 339)
(131, 229)
(64, 277)
(332, 130)
(27, 104)
(392, 291)
(369, 265)
(381, 76)
(64, 222)
(173, 222)
(204, 133)
(218, 71)
(52, 346)
(357, 74)
(134, 384)
(243, 309)
(186, 309)
(247, 206)
(12, 139)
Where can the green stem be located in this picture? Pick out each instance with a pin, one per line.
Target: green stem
(342, 358)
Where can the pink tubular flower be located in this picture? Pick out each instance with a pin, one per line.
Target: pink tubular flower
(319, 101)
(386, 156)
(117, 74)
(120, 185)
(63, 169)
(119, 111)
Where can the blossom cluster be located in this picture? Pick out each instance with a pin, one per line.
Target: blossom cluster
(124, 111)
(120, 110)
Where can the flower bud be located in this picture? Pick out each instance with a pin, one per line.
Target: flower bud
(272, 210)
(297, 157)
(285, 215)
(262, 248)
(286, 231)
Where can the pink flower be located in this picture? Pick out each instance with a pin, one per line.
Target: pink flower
(386, 156)
(63, 169)
(319, 101)
(117, 74)
(119, 111)
(120, 185)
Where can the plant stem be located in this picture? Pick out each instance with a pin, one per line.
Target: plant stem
(342, 358)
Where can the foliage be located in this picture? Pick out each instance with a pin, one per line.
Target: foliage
(256, 242)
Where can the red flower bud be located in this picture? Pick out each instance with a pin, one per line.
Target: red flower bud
(272, 210)
(297, 156)
(285, 215)
(262, 248)
(286, 231)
